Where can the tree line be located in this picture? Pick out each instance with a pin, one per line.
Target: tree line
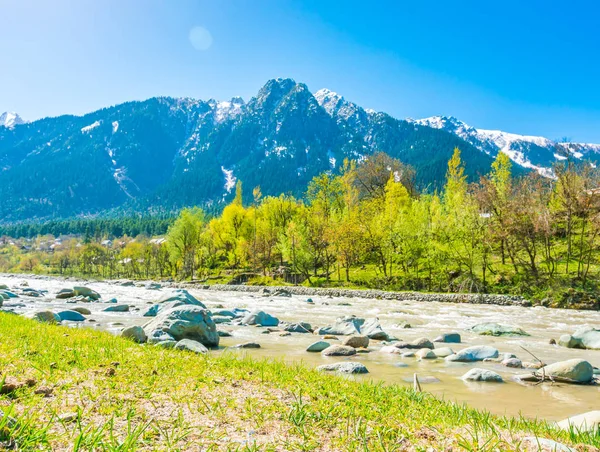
(369, 226)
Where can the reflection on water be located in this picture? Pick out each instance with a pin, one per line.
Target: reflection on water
(427, 319)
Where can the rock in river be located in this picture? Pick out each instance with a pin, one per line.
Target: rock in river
(44, 316)
(260, 318)
(339, 350)
(356, 341)
(317, 347)
(344, 326)
(183, 322)
(135, 333)
(346, 368)
(86, 292)
(449, 338)
(474, 353)
(571, 371)
(191, 346)
(299, 327)
(497, 329)
(586, 338)
(482, 375)
(71, 316)
(117, 308)
(178, 297)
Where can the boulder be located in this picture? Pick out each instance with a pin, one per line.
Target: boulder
(65, 293)
(224, 313)
(86, 292)
(81, 310)
(421, 342)
(373, 330)
(117, 308)
(339, 350)
(43, 316)
(344, 326)
(317, 347)
(497, 329)
(442, 352)
(356, 341)
(183, 322)
(392, 349)
(299, 327)
(259, 318)
(174, 298)
(6, 294)
(345, 368)
(71, 316)
(514, 363)
(135, 333)
(166, 344)
(191, 346)
(585, 338)
(482, 375)
(247, 345)
(576, 371)
(474, 353)
(449, 338)
(586, 422)
(221, 319)
(426, 353)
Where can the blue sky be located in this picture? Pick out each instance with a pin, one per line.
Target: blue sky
(530, 67)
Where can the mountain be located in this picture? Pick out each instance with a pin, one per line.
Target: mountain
(10, 119)
(536, 153)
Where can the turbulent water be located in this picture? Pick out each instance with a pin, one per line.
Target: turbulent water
(428, 319)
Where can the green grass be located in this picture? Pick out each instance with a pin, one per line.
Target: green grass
(122, 397)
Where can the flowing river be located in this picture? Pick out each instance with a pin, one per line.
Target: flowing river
(427, 319)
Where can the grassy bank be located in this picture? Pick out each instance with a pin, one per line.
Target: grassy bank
(88, 390)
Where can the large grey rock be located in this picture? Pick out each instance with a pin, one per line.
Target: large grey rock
(82, 310)
(71, 316)
(571, 371)
(183, 322)
(345, 326)
(191, 346)
(317, 347)
(425, 353)
(117, 308)
(585, 338)
(482, 375)
(247, 345)
(356, 341)
(339, 350)
(497, 329)
(177, 297)
(260, 318)
(373, 330)
(420, 343)
(345, 368)
(442, 352)
(135, 333)
(474, 353)
(43, 316)
(586, 422)
(65, 293)
(449, 338)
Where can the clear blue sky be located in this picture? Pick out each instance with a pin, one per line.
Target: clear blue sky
(530, 67)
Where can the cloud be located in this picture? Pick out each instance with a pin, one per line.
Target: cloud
(200, 38)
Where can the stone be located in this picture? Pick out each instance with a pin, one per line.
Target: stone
(345, 368)
(477, 374)
(425, 353)
(222, 333)
(449, 338)
(497, 329)
(183, 322)
(299, 327)
(356, 341)
(221, 319)
(71, 316)
(514, 363)
(117, 308)
(43, 316)
(191, 346)
(65, 293)
(317, 347)
(166, 344)
(260, 318)
(224, 313)
(135, 333)
(586, 422)
(373, 330)
(86, 292)
(174, 298)
(344, 326)
(586, 338)
(81, 310)
(339, 350)
(442, 352)
(407, 354)
(421, 342)
(571, 371)
(392, 349)
(247, 345)
(474, 353)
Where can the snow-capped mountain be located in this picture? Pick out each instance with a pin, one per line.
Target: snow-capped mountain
(10, 119)
(533, 152)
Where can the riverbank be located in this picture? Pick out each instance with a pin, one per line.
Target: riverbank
(84, 389)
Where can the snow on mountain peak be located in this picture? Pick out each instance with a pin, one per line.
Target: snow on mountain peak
(225, 110)
(10, 119)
